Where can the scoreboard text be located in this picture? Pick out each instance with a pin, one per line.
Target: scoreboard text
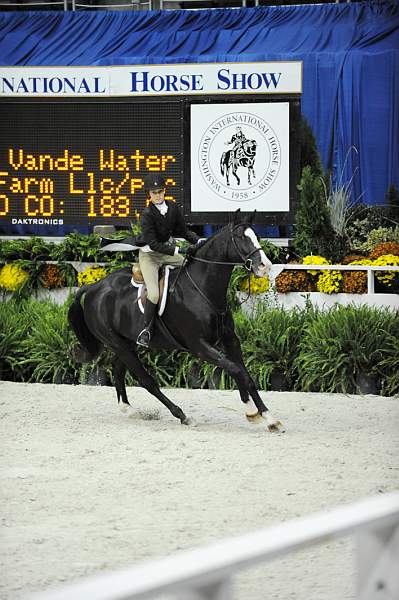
(70, 162)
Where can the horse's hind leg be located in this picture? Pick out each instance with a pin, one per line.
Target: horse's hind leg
(132, 362)
(119, 373)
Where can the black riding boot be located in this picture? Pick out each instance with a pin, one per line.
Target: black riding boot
(144, 336)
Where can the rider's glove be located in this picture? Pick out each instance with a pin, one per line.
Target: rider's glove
(187, 250)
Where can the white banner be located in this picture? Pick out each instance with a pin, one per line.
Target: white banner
(154, 80)
(240, 157)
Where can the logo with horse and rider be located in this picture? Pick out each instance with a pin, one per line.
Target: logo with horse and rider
(239, 156)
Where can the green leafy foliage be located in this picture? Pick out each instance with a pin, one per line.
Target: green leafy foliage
(270, 343)
(388, 366)
(313, 233)
(309, 154)
(16, 320)
(30, 249)
(78, 246)
(314, 350)
(392, 200)
(363, 219)
(340, 344)
(49, 347)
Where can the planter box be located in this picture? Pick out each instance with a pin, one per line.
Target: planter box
(58, 296)
(323, 301)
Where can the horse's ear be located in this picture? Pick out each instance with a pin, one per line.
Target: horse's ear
(252, 217)
(237, 216)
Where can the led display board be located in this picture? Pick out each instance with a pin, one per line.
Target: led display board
(74, 162)
(70, 161)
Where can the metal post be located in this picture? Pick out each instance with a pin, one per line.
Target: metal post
(370, 281)
(378, 559)
(73, 4)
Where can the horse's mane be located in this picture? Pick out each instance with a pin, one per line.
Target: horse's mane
(206, 241)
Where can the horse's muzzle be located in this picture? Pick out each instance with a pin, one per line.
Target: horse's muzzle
(261, 271)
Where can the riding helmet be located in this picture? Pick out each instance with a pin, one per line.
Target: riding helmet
(154, 181)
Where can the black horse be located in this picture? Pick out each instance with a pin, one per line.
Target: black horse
(196, 317)
(239, 157)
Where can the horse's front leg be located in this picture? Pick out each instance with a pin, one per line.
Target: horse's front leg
(235, 174)
(229, 358)
(255, 409)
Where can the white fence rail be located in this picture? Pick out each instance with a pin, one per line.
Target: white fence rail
(206, 573)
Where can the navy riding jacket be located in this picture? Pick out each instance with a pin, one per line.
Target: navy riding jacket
(157, 229)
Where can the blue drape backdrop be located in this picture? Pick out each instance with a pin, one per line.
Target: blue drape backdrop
(350, 55)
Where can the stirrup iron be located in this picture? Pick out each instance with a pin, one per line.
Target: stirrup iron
(144, 338)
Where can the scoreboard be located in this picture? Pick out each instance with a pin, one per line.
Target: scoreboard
(73, 161)
(76, 162)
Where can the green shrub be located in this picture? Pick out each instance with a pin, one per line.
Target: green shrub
(315, 350)
(388, 366)
(50, 345)
(15, 322)
(340, 344)
(30, 249)
(309, 154)
(80, 247)
(380, 236)
(363, 219)
(313, 232)
(270, 343)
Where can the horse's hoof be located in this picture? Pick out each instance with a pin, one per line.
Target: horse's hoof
(255, 418)
(188, 421)
(276, 427)
(127, 410)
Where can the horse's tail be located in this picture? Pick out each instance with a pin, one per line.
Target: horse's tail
(76, 319)
(222, 163)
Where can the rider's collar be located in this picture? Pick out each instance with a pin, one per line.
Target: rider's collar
(163, 207)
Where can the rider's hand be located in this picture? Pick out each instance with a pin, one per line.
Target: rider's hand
(187, 250)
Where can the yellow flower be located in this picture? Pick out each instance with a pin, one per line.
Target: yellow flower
(315, 260)
(12, 277)
(364, 261)
(386, 277)
(91, 275)
(259, 285)
(329, 282)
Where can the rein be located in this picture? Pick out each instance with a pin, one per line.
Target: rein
(246, 262)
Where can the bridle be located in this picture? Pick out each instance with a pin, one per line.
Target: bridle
(246, 262)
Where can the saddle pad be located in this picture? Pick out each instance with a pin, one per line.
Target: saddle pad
(162, 302)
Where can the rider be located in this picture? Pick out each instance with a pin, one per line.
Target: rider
(160, 222)
(238, 140)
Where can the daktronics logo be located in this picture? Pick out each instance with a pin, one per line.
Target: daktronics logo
(239, 156)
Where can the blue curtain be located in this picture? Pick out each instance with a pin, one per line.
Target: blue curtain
(350, 54)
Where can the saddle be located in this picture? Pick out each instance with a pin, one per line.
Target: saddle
(163, 282)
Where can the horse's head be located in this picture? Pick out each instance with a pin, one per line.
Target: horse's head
(250, 147)
(246, 246)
